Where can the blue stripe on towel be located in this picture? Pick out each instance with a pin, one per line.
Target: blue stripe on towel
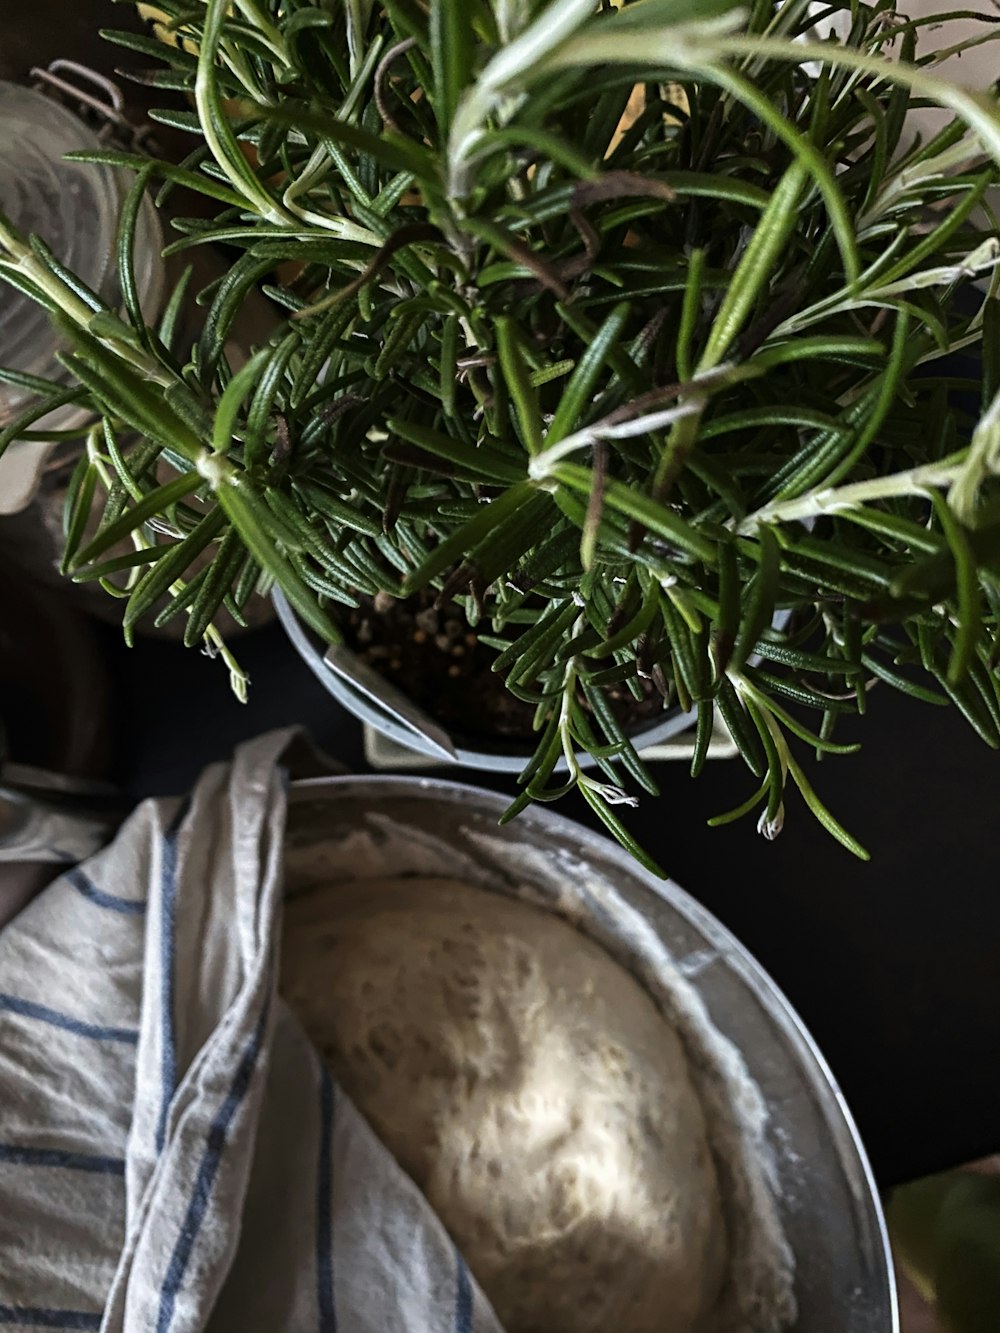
(463, 1296)
(33, 1316)
(207, 1171)
(86, 886)
(29, 1009)
(16, 1155)
(324, 1208)
(168, 904)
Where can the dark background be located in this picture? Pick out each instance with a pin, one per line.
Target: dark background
(894, 965)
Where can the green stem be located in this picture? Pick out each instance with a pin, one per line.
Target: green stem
(269, 34)
(215, 127)
(830, 499)
(977, 109)
(66, 300)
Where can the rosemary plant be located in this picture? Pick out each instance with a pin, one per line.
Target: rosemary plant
(621, 327)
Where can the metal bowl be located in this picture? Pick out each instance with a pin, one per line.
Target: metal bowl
(828, 1202)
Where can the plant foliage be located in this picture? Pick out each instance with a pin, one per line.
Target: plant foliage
(632, 330)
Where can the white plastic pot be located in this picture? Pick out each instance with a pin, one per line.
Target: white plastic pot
(503, 759)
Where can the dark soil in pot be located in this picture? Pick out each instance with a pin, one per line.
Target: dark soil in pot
(436, 658)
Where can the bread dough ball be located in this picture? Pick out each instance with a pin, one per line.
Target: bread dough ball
(532, 1090)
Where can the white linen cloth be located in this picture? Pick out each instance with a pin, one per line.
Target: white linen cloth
(173, 1156)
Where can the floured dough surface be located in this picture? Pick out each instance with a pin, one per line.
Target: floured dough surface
(530, 1087)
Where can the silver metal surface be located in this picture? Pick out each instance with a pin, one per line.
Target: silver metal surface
(361, 677)
(829, 1203)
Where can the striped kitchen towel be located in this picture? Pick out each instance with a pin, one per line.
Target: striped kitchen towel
(173, 1156)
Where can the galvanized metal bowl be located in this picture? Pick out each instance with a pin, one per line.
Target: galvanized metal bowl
(829, 1205)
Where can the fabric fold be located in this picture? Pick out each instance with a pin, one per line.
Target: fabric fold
(141, 1028)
